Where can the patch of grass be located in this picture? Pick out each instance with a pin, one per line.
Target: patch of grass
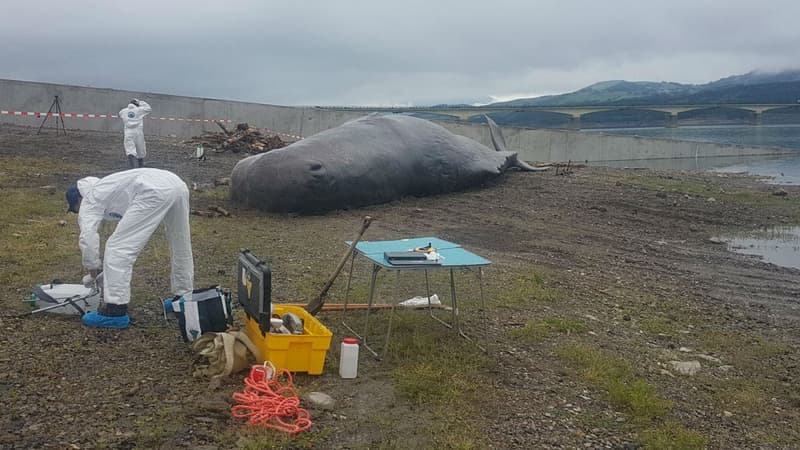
(443, 373)
(762, 199)
(744, 397)
(615, 375)
(672, 436)
(35, 246)
(219, 194)
(658, 325)
(744, 351)
(259, 438)
(538, 330)
(158, 425)
(523, 289)
(24, 171)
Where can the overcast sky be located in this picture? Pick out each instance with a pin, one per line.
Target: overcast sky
(403, 52)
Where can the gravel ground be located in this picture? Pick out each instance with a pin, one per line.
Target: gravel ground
(628, 254)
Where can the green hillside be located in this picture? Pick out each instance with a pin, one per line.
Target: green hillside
(754, 87)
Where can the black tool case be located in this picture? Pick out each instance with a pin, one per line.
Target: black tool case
(254, 292)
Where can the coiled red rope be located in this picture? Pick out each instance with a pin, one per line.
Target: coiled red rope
(269, 400)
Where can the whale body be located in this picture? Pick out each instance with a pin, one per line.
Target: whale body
(370, 160)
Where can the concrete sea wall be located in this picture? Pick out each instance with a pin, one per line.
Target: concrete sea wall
(189, 116)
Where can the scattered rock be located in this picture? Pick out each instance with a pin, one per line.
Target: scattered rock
(214, 384)
(661, 194)
(686, 367)
(727, 413)
(320, 400)
(214, 406)
(716, 240)
(206, 419)
(780, 193)
(709, 358)
(62, 223)
(711, 200)
(224, 181)
(725, 368)
(685, 350)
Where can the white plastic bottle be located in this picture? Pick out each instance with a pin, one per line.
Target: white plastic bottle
(348, 359)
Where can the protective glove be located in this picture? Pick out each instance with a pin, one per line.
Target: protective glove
(91, 280)
(88, 280)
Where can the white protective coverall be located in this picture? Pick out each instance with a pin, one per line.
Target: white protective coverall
(140, 199)
(133, 118)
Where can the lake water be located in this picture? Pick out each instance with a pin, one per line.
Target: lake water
(779, 170)
(779, 245)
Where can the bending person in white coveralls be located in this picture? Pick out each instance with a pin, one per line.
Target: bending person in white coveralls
(140, 199)
(133, 118)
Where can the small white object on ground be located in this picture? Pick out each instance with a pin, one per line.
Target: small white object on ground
(418, 301)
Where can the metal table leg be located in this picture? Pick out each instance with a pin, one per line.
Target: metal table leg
(430, 308)
(363, 336)
(455, 307)
(347, 293)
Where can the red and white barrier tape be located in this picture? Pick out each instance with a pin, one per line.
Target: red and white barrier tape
(295, 136)
(11, 112)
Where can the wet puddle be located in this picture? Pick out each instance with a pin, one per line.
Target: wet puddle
(779, 245)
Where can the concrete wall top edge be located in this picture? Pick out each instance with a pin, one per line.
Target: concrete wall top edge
(133, 93)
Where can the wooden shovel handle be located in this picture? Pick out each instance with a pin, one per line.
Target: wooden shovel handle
(315, 305)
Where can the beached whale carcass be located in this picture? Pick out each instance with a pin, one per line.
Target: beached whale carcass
(370, 160)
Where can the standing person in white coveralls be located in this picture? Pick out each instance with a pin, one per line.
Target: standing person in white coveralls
(133, 119)
(140, 199)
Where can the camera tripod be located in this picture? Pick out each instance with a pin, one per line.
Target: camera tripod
(55, 109)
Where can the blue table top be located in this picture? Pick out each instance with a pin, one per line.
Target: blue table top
(453, 255)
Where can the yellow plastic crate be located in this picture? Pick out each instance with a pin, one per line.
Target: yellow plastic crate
(293, 352)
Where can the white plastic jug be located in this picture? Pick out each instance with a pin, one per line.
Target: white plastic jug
(348, 358)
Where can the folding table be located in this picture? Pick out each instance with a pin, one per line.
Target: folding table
(453, 257)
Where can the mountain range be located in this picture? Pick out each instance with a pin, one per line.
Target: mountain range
(752, 87)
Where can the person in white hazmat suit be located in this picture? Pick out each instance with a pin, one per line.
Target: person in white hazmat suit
(140, 199)
(133, 119)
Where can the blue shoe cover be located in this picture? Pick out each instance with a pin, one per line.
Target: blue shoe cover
(96, 320)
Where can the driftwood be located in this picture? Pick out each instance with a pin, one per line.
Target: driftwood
(211, 211)
(220, 210)
(244, 139)
(224, 130)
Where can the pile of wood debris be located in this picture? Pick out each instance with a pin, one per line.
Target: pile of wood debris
(243, 139)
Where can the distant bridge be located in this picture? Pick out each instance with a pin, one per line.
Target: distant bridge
(574, 112)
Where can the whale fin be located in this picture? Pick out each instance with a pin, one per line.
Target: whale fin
(499, 143)
(496, 134)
